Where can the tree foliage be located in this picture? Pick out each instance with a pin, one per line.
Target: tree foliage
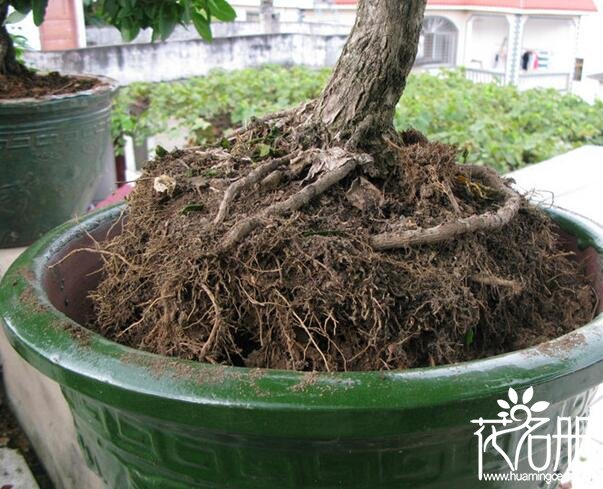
(162, 16)
(491, 124)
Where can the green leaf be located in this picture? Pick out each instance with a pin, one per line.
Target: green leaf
(39, 10)
(222, 10)
(202, 26)
(160, 151)
(192, 208)
(469, 337)
(168, 18)
(129, 31)
(15, 17)
(23, 6)
(325, 232)
(264, 150)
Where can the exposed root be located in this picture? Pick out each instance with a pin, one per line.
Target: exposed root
(488, 221)
(278, 270)
(93, 250)
(484, 279)
(453, 202)
(275, 116)
(342, 162)
(253, 177)
(218, 322)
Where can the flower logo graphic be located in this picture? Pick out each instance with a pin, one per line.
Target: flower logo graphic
(519, 437)
(512, 406)
(515, 417)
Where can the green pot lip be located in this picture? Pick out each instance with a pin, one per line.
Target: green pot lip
(107, 85)
(99, 363)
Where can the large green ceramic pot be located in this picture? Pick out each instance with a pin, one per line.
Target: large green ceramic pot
(51, 156)
(146, 421)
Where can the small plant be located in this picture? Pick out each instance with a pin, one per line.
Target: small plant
(20, 43)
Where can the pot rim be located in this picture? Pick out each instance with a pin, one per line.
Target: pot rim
(107, 85)
(98, 363)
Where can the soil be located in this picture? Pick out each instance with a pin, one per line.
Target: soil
(306, 290)
(37, 86)
(12, 436)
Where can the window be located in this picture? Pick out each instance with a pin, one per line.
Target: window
(437, 45)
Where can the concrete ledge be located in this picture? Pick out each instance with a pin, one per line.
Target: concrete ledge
(14, 472)
(45, 417)
(154, 62)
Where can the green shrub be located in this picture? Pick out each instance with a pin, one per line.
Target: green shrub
(498, 125)
(491, 124)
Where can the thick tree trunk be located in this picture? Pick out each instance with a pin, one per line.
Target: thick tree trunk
(369, 78)
(8, 62)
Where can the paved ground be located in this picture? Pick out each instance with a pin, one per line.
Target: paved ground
(573, 181)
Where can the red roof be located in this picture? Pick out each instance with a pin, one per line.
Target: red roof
(573, 5)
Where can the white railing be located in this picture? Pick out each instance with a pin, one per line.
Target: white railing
(543, 79)
(537, 79)
(478, 75)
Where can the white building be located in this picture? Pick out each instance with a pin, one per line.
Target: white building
(529, 43)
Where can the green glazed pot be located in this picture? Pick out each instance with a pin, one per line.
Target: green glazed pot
(146, 421)
(51, 155)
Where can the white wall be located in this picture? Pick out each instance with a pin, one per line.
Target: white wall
(590, 47)
(487, 35)
(558, 36)
(287, 10)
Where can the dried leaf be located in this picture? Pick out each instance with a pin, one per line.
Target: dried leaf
(324, 161)
(199, 181)
(164, 184)
(364, 195)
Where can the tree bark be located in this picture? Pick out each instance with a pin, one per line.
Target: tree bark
(8, 61)
(370, 76)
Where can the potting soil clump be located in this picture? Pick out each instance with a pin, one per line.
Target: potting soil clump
(275, 251)
(30, 84)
